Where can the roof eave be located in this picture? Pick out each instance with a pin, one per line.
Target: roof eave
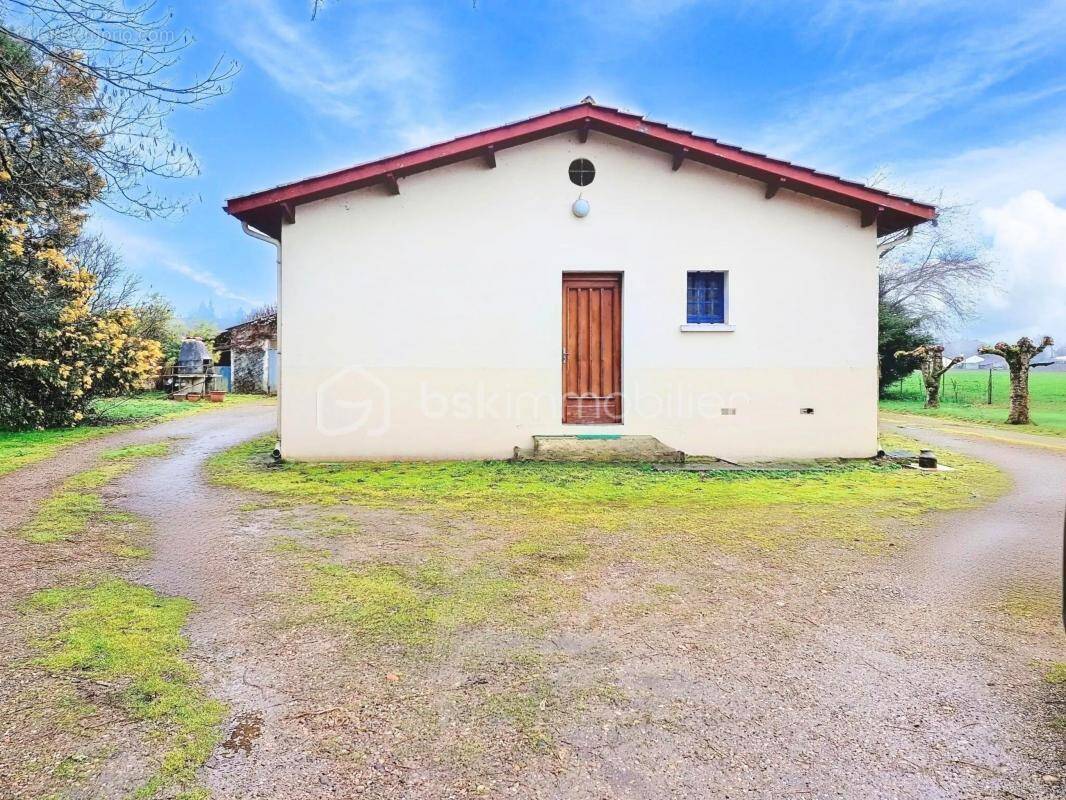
(265, 210)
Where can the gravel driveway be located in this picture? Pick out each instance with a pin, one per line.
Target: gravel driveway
(837, 674)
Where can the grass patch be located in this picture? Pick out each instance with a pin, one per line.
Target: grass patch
(129, 636)
(292, 545)
(156, 406)
(1056, 674)
(548, 498)
(528, 707)
(409, 606)
(1029, 603)
(135, 451)
(964, 397)
(62, 516)
(20, 448)
(77, 504)
(542, 549)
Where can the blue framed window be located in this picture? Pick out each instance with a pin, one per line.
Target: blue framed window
(706, 297)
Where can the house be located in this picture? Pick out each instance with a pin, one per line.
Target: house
(247, 353)
(586, 272)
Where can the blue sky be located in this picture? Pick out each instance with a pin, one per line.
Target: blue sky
(961, 98)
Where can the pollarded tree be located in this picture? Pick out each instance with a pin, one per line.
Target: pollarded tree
(931, 363)
(1018, 357)
(897, 331)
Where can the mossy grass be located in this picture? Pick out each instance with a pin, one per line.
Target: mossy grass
(62, 516)
(408, 605)
(19, 448)
(552, 523)
(1031, 603)
(130, 637)
(77, 504)
(609, 497)
(135, 451)
(1055, 674)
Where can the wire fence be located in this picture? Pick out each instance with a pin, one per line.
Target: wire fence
(964, 388)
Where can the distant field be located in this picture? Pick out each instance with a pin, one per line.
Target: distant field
(18, 448)
(964, 396)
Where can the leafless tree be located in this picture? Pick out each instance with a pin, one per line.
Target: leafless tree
(116, 287)
(128, 56)
(931, 363)
(262, 312)
(1019, 358)
(935, 274)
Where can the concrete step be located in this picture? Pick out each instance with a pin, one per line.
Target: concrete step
(599, 447)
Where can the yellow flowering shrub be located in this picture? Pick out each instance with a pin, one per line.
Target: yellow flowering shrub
(56, 354)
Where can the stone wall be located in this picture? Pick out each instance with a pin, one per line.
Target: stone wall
(249, 370)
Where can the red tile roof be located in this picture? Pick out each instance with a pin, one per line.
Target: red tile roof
(265, 210)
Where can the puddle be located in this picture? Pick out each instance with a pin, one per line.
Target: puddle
(246, 729)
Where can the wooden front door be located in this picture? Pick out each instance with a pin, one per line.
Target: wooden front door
(592, 347)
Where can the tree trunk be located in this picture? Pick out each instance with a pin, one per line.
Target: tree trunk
(1018, 358)
(932, 392)
(1019, 391)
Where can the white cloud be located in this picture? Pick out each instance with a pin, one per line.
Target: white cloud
(205, 278)
(991, 175)
(141, 253)
(841, 120)
(1018, 203)
(1028, 241)
(375, 62)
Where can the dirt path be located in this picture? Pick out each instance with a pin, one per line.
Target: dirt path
(207, 551)
(972, 430)
(1015, 542)
(837, 675)
(20, 491)
(909, 683)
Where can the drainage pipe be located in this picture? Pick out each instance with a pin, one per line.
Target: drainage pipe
(257, 234)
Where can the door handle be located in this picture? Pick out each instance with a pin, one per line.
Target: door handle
(565, 354)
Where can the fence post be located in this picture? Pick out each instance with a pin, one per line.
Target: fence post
(990, 386)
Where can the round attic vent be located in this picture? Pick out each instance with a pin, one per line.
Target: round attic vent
(582, 172)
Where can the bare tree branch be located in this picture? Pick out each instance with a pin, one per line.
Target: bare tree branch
(936, 274)
(115, 287)
(128, 56)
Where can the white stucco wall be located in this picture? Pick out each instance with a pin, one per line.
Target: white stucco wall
(428, 325)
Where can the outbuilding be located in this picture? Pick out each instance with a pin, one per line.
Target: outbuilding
(583, 273)
(247, 355)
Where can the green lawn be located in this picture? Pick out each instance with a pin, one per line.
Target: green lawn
(548, 498)
(964, 396)
(18, 448)
(114, 632)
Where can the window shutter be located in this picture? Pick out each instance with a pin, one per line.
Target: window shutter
(706, 297)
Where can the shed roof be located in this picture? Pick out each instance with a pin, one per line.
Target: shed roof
(267, 209)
